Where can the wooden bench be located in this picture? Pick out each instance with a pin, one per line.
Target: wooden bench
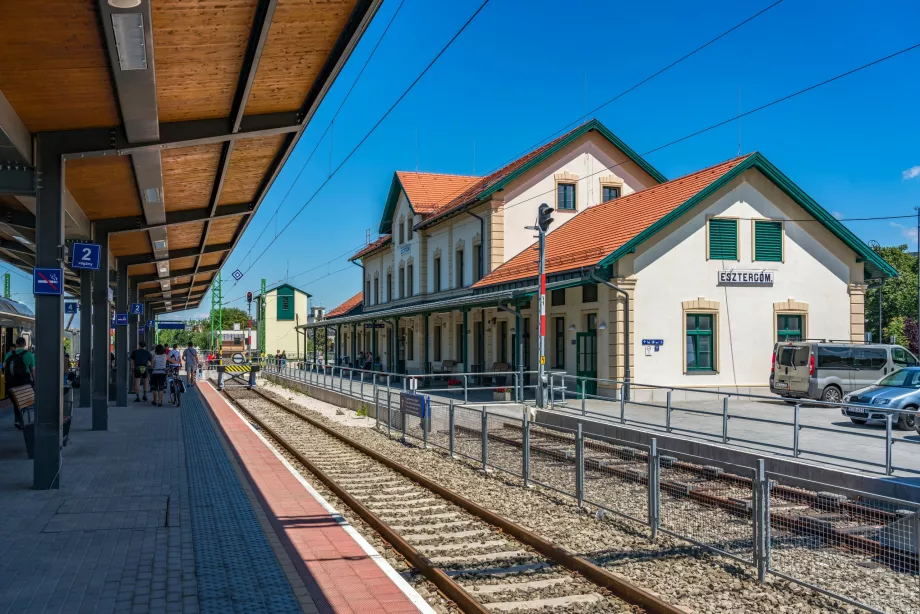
(500, 367)
(23, 399)
(447, 366)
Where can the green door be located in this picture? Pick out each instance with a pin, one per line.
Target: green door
(586, 353)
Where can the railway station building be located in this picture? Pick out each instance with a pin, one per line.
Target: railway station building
(686, 282)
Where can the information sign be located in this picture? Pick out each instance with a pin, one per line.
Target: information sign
(85, 256)
(137, 309)
(238, 358)
(71, 307)
(170, 325)
(47, 281)
(414, 404)
(121, 319)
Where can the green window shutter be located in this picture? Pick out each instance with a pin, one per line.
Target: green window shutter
(723, 239)
(285, 298)
(768, 241)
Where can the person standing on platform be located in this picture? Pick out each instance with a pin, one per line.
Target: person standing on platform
(190, 355)
(140, 361)
(158, 375)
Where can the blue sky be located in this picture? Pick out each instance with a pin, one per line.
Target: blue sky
(523, 70)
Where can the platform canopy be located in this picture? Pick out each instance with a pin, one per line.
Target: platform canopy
(173, 118)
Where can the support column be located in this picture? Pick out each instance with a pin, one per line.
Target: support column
(121, 338)
(354, 344)
(325, 344)
(86, 338)
(519, 332)
(338, 343)
(373, 343)
(101, 321)
(394, 347)
(133, 321)
(425, 334)
(465, 342)
(49, 319)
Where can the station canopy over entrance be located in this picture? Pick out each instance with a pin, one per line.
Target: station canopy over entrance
(173, 119)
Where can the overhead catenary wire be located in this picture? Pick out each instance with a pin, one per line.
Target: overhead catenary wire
(374, 127)
(323, 136)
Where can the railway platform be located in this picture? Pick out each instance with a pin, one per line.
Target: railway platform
(179, 510)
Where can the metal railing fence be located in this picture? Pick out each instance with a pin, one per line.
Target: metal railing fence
(837, 541)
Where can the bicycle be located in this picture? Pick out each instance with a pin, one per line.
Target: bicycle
(174, 385)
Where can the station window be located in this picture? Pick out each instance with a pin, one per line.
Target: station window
(409, 229)
(367, 293)
(700, 342)
(460, 276)
(789, 327)
(477, 261)
(768, 241)
(565, 197)
(557, 298)
(609, 192)
(402, 235)
(402, 282)
(723, 239)
(410, 344)
(591, 322)
(437, 275)
(376, 290)
(560, 343)
(410, 280)
(389, 296)
(437, 342)
(589, 293)
(458, 353)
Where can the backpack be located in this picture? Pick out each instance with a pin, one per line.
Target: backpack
(16, 372)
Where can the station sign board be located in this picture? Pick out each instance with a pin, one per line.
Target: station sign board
(739, 277)
(137, 309)
(85, 256)
(121, 319)
(414, 405)
(71, 307)
(170, 325)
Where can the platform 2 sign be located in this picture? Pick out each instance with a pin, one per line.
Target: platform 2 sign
(137, 309)
(414, 405)
(85, 256)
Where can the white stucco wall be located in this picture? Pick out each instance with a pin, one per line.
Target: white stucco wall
(591, 160)
(280, 335)
(672, 268)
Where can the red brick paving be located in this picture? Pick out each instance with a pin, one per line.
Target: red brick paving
(350, 581)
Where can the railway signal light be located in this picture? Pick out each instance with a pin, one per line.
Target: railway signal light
(249, 297)
(543, 216)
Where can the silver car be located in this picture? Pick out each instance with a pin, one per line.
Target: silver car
(898, 390)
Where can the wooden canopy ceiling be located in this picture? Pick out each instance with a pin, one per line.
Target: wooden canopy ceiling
(237, 61)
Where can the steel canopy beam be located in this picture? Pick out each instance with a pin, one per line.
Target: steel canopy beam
(15, 139)
(174, 254)
(173, 218)
(211, 268)
(96, 142)
(16, 179)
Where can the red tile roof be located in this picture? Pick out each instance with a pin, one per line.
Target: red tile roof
(372, 247)
(598, 231)
(347, 306)
(429, 191)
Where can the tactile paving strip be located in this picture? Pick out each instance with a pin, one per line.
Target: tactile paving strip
(237, 570)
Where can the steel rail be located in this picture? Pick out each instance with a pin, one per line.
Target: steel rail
(445, 584)
(616, 584)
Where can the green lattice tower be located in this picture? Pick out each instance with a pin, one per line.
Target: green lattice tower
(217, 315)
(262, 319)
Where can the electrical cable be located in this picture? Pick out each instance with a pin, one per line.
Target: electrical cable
(374, 128)
(328, 127)
(736, 117)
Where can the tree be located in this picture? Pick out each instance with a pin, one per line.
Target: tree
(899, 294)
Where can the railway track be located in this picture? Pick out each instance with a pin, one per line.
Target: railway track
(840, 522)
(477, 559)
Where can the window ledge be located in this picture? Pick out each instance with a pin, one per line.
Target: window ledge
(566, 211)
(701, 372)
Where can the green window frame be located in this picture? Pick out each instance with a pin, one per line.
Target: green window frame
(609, 192)
(790, 327)
(768, 241)
(560, 343)
(285, 299)
(701, 350)
(723, 238)
(565, 197)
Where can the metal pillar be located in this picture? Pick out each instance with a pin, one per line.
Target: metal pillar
(354, 344)
(325, 344)
(121, 338)
(465, 342)
(133, 321)
(425, 334)
(101, 322)
(338, 343)
(86, 338)
(49, 320)
(519, 327)
(373, 344)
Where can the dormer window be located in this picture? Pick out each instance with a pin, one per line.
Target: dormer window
(565, 196)
(402, 229)
(409, 229)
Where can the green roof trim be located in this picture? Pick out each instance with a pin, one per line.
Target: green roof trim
(876, 266)
(386, 221)
(593, 125)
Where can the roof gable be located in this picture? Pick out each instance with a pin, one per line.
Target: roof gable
(347, 307)
(498, 180)
(606, 232)
(372, 247)
(287, 286)
(426, 192)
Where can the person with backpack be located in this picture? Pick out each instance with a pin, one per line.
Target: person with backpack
(140, 359)
(19, 370)
(158, 374)
(190, 356)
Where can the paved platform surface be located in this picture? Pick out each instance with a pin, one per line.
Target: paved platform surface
(344, 576)
(157, 514)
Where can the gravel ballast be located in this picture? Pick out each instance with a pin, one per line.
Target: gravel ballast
(680, 572)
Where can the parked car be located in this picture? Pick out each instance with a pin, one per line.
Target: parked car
(898, 390)
(827, 371)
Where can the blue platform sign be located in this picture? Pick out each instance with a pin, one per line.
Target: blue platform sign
(137, 309)
(149, 323)
(85, 256)
(653, 342)
(121, 319)
(71, 307)
(141, 330)
(414, 405)
(47, 281)
(170, 325)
